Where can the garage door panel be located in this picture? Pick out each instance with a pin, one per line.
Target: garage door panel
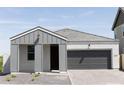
(87, 63)
(89, 59)
(88, 67)
(86, 60)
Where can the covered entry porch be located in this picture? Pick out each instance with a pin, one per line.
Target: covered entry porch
(38, 58)
(38, 51)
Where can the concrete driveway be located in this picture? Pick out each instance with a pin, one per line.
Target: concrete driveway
(94, 77)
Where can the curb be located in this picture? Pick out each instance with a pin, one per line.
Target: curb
(70, 78)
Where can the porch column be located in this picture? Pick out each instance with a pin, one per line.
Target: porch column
(14, 59)
(46, 60)
(38, 58)
(62, 58)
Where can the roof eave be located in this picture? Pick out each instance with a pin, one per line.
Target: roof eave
(37, 28)
(116, 18)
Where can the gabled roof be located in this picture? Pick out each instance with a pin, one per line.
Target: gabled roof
(74, 35)
(37, 28)
(121, 9)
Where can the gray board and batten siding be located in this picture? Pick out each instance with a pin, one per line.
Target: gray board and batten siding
(44, 38)
(40, 39)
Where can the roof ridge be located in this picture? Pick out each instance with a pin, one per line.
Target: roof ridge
(40, 28)
(63, 29)
(85, 33)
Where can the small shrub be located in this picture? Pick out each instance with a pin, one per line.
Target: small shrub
(39, 73)
(1, 69)
(35, 75)
(33, 79)
(8, 78)
(13, 76)
(1, 64)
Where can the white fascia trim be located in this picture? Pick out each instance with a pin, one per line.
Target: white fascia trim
(41, 30)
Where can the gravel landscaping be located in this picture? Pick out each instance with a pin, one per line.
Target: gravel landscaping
(73, 77)
(43, 79)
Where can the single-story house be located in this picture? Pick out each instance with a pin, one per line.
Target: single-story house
(41, 50)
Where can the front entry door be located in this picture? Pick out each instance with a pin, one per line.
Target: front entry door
(54, 57)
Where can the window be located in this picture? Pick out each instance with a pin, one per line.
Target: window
(31, 53)
(115, 36)
(123, 34)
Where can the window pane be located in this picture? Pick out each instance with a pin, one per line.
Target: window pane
(30, 56)
(31, 48)
(31, 52)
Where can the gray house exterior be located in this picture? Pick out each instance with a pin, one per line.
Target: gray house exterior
(118, 28)
(41, 50)
(43, 41)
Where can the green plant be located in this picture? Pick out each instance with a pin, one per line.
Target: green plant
(13, 76)
(33, 78)
(1, 63)
(8, 78)
(39, 73)
(35, 74)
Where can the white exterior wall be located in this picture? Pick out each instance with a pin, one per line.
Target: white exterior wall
(113, 47)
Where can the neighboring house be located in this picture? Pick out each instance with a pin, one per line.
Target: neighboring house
(118, 28)
(39, 50)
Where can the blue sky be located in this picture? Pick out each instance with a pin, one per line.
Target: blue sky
(92, 20)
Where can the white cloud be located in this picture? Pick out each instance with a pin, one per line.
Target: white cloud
(84, 14)
(16, 22)
(43, 19)
(67, 16)
(10, 22)
(88, 13)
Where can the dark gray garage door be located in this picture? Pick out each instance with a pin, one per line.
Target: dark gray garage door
(89, 59)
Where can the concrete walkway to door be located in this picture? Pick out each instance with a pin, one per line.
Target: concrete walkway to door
(95, 77)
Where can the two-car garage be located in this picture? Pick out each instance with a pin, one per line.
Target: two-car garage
(89, 59)
(89, 51)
